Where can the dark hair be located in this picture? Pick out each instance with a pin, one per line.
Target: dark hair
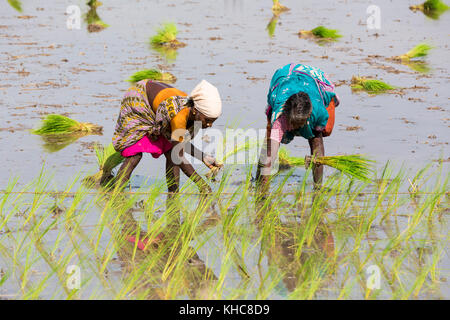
(298, 107)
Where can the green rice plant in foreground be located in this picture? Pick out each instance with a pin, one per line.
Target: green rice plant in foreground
(292, 247)
(107, 159)
(419, 51)
(167, 36)
(355, 166)
(16, 4)
(321, 32)
(54, 124)
(152, 74)
(372, 86)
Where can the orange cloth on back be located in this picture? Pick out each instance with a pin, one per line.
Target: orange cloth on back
(330, 122)
(164, 94)
(179, 122)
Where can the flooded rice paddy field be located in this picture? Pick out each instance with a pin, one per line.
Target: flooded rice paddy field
(47, 68)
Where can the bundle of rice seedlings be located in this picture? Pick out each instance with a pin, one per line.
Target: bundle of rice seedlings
(16, 4)
(167, 36)
(431, 8)
(321, 32)
(107, 159)
(356, 165)
(370, 85)
(278, 8)
(272, 25)
(419, 51)
(95, 23)
(55, 124)
(152, 74)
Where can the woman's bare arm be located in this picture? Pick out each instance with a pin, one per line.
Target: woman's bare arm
(318, 150)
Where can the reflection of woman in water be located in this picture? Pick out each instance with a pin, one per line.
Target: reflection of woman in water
(282, 255)
(135, 252)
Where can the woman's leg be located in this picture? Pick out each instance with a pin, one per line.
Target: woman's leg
(172, 174)
(127, 168)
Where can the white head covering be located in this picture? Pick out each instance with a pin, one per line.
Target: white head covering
(207, 99)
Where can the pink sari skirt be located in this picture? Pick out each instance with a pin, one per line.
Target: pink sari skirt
(156, 148)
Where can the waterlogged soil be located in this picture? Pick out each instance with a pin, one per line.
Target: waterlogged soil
(47, 68)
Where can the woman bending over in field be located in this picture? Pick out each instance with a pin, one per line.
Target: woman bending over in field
(301, 102)
(154, 118)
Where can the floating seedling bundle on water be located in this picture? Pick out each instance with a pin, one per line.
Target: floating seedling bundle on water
(59, 131)
(278, 7)
(58, 124)
(355, 165)
(431, 8)
(16, 4)
(321, 33)
(419, 51)
(372, 86)
(95, 23)
(153, 74)
(167, 36)
(107, 159)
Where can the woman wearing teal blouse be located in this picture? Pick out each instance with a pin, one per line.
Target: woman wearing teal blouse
(301, 102)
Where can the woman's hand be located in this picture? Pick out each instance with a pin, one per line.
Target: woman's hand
(211, 162)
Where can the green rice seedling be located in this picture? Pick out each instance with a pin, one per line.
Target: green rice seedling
(419, 51)
(431, 8)
(355, 166)
(95, 23)
(278, 7)
(271, 26)
(152, 74)
(167, 36)
(16, 4)
(55, 124)
(107, 159)
(321, 32)
(372, 86)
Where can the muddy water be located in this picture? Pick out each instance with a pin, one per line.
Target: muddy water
(47, 68)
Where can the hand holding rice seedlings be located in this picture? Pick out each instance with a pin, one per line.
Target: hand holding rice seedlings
(278, 7)
(167, 36)
(16, 4)
(372, 86)
(107, 160)
(419, 51)
(431, 8)
(153, 74)
(58, 124)
(355, 166)
(321, 32)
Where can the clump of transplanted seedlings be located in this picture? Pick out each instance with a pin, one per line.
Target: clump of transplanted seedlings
(372, 86)
(16, 4)
(95, 23)
(431, 8)
(321, 33)
(278, 7)
(153, 74)
(107, 159)
(419, 51)
(356, 166)
(167, 36)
